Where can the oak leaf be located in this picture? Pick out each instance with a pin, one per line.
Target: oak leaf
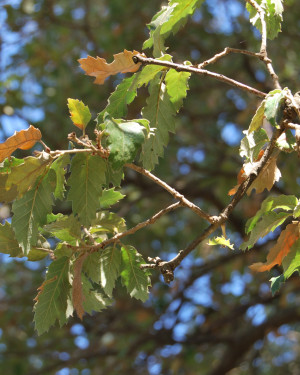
(24, 139)
(266, 178)
(99, 68)
(283, 246)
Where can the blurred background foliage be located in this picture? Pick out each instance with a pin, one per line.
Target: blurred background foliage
(216, 317)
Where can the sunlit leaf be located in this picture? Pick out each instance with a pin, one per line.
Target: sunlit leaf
(133, 278)
(220, 241)
(283, 246)
(99, 68)
(80, 113)
(23, 139)
(124, 140)
(273, 10)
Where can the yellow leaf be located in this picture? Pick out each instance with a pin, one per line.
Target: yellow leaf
(99, 68)
(24, 139)
(283, 246)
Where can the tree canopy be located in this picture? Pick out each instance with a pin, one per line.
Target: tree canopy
(151, 211)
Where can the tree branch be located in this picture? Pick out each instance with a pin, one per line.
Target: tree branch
(191, 69)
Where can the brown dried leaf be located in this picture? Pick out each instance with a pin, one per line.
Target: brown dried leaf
(285, 241)
(99, 68)
(77, 294)
(266, 178)
(24, 139)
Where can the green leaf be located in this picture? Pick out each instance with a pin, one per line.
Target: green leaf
(268, 223)
(65, 228)
(252, 143)
(9, 195)
(24, 175)
(283, 202)
(80, 113)
(273, 107)
(92, 300)
(35, 254)
(51, 301)
(296, 212)
(8, 243)
(220, 241)
(177, 86)
(148, 73)
(291, 263)
(62, 250)
(257, 119)
(133, 278)
(170, 19)
(30, 212)
(9, 163)
(86, 182)
(155, 26)
(276, 283)
(123, 95)
(110, 197)
(125, 138)
(59, 167)
(160, 112)
(113, 176)
(273, 16)
(104, 268)
(108, 222)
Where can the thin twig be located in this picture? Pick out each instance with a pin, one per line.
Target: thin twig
(134, 229)
(226, 52)
(167, 268)
(263, 48)
(261, 13)
(173, 192)
(188, 68)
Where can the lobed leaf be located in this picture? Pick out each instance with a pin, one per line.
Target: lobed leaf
(23, 139)
(273, 16)
(220, 241)
(99, 68)
(283, 246)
